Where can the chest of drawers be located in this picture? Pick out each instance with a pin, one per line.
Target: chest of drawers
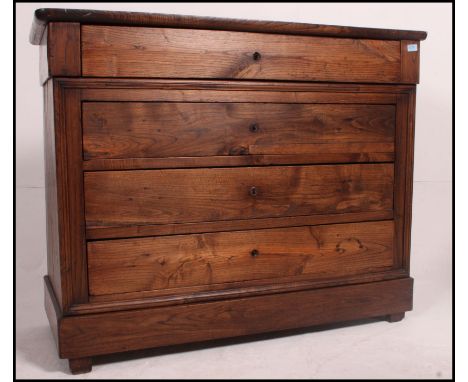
(211, 178)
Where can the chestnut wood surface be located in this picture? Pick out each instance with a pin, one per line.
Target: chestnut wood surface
(291, 158)
(410, 62)
(233, 225)
(241, 95)
(50, 174)
(136, 129)
(104, 333)
(94, 88)
(66, 247)
(215, 292)
(110, 51)
(119, 198)
(91, 90)
(408, 162)
(209, 178)
(64, 49)
(130, 265)
(43, 16)
(80, 365)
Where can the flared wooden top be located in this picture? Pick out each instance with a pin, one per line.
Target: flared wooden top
(85, 16)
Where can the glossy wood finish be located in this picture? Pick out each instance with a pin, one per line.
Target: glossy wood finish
(105, 88)
(115, 89)
(216, 292)
(65, 210)
(164, 92)
(181, 209)
(131, 52)
(52, 308)
(153, 299)
(396, 317)
(122, 198)
(292, 158)
(95, 334)
(80, 365)
(233, 225)
(408, 190)
(153, 130)
(409, 62)
(61, 53)
(51, 177)
(72, 209)
(91, 16)
(119, 266)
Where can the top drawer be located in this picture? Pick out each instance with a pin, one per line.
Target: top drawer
(110, 51)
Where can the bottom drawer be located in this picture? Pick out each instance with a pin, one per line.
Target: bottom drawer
(154, 263)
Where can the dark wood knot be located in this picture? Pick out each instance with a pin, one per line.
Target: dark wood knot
(238, 150)
(254, 253)
(256, 56)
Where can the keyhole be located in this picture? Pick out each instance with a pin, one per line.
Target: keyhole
(254, 127)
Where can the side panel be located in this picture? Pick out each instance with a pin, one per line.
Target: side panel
(65, 204)
(52, 218)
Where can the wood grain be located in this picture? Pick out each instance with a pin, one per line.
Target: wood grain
(130, 265)
(222, 95)
(409, 63)
(357, 93)
(52, 213)
(119, 198)
(67, 251)
(73, 225)
(408, 190)
(209, 178)
(43, 16)
(109, 51)
(94, 334)
(245, 160)
(135, 129)
(80, 365)
(64, 49)
(43, 63)
(400, 176)
(52, 309)
(216, 292)
(233, 225)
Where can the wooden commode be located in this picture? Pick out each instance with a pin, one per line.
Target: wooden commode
(210, 178)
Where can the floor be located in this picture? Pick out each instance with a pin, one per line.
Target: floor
(418, 347)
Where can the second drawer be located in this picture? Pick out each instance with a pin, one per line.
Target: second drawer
(315, 252)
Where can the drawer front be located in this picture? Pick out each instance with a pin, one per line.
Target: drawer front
(123, 198)
(111, 51)
(328, 251)
(159, 129)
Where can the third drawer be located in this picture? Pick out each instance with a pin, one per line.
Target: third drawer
(308, 252)
(145, 197)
